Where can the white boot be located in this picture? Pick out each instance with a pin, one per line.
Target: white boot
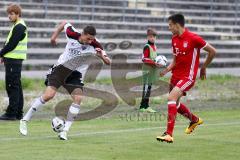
(23, 127)
(63, 135)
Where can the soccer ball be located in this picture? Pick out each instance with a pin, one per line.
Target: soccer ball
(162, 60)
(58, 124)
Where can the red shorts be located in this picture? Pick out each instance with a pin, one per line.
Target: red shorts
(184, 84)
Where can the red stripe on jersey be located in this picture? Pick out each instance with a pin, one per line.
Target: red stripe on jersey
(193, 65)
(96, 44)
(72, 34)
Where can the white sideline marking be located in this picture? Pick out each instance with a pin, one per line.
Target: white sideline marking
(109, 132)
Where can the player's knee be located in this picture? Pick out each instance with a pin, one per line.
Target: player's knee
(48, 96)
(172, 98)
(77, 99)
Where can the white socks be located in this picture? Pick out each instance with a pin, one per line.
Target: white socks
(73, 111)
(37, 103)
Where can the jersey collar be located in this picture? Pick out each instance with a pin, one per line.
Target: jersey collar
(150, 43)
(184, 33)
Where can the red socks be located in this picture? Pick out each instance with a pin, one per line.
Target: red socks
(183, 110)
(172, 113)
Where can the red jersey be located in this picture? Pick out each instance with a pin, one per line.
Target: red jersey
(186, 48)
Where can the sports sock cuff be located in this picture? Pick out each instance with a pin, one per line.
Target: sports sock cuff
(171, 102)
(75, 105)
(42, 100)
(74, 108)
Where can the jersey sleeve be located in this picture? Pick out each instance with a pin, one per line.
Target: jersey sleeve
(96, 44)
(146, 52)
(199, 42)
(71, 32)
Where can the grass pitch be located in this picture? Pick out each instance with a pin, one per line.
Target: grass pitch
(119, 138)
(126, 135)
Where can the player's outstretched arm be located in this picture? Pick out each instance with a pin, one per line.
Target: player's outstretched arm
(149, 61)
(169, 67)
(211, 53)
(58, 30)
(102, 54)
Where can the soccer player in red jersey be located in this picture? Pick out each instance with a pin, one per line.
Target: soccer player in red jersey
(186, 48)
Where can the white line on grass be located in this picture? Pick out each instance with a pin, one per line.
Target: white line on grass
(108, 132)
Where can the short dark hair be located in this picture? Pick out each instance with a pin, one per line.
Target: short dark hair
(14, 8)
(151, 31)
(89, 30)
(177, 18)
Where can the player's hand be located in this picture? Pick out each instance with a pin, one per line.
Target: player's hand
(165, 71)
(53, 41)
(158, 65)
(203, 73)
(102, 54)
(99, 52)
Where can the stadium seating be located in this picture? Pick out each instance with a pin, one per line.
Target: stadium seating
(217, 21)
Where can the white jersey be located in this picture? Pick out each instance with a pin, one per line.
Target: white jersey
(75, 52)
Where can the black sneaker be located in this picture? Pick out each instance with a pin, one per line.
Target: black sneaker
(19, 117)
(6, 117)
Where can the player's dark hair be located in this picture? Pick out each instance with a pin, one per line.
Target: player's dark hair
(89, 30)
(151, 31)
(177, 18)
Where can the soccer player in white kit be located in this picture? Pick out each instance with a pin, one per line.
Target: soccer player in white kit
(65, 73)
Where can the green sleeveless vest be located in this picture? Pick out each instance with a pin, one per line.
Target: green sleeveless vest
(150, 73)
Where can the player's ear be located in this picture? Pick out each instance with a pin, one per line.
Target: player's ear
(83, 35)
(178, 25)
